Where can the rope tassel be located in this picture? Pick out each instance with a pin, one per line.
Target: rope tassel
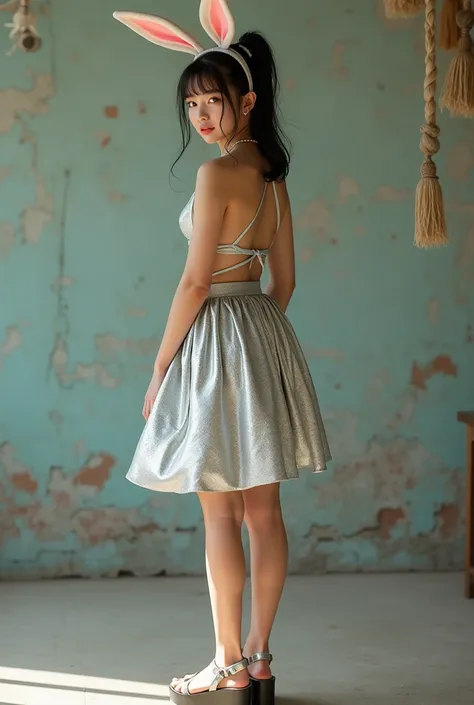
(458, 91)
(430, 222)
(449, 32)
(403, 8)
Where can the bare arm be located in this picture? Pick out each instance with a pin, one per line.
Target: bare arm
(193, 288)
(281, 258)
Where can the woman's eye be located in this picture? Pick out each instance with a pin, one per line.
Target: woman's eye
(191, 104)
(214, 99)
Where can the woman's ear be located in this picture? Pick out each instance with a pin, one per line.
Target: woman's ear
(248, 102)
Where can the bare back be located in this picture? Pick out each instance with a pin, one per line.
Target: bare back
(245, 186)
(253, 219)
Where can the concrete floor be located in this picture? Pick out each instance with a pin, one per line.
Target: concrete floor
(339, 640)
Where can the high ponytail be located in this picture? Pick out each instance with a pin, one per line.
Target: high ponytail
(215, 71)
(264, 118)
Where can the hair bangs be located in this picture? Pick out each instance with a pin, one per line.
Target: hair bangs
(200, 78)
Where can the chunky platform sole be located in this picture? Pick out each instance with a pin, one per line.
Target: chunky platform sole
(263, 691)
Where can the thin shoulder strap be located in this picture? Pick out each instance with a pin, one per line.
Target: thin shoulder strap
(278, 213)
(277, 204)
(236, 242)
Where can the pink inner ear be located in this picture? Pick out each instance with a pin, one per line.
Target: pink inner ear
(219, 20)
(162, 33)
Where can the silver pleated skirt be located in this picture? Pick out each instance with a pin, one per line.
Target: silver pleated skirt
(237, 407)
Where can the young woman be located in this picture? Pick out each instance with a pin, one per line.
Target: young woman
(231, 409)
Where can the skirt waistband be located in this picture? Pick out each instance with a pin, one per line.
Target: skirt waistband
(235, 289)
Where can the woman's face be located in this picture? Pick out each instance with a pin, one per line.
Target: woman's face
(211, 116)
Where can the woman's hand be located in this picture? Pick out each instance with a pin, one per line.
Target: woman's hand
(152, 392)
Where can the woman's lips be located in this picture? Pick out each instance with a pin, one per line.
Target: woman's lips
(206, 130)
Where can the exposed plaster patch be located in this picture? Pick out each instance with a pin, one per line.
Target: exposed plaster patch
(440, 365)
(14, 102)
(13, 341)
(348, 188)
(389, 193)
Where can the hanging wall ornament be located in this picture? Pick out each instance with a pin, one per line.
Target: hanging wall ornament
(449, 31)
(430, 223)
(458, 90)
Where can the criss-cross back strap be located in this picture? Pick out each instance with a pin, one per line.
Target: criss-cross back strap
(236, 242)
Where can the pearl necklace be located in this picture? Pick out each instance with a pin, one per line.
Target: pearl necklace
(240, 141)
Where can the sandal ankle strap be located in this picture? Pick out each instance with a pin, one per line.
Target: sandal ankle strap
(260, 656)
(226, 671)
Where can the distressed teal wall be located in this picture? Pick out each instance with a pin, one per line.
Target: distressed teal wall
(91, 254)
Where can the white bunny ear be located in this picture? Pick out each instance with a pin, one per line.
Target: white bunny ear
(159, 31)
(217, 21)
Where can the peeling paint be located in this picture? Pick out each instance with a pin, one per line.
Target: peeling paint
(339, 68)
(389, 193)
(116, 197)
(5, 172)
(10, 464)
(111, 111)
(136, 312)
(387, 472)
(316, 218)
(104, 138)
(63, 512)
(24, 482)
(440, 365)
(348, 188)
(449, 520)
(36, 217)
(110, 345)
(14, 102)
(113, 195)
(433, 310)
(62, 282)
(387, 518)
(96, 472)
(13, 341)
(95, 371)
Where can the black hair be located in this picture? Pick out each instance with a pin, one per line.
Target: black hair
(217, 71)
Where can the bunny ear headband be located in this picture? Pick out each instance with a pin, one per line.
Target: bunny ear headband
(216, 19)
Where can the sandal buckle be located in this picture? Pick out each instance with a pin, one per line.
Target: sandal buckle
(219, 671)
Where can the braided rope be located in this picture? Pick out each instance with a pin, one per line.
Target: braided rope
(429, 142)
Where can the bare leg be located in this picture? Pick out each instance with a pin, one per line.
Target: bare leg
(269, 561)
(225, 566)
